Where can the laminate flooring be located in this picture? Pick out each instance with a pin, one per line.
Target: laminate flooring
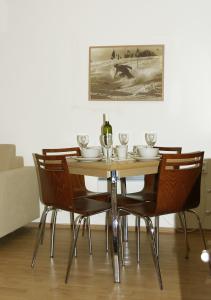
(91, 277)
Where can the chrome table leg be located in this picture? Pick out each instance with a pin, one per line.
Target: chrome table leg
(114, 221)
(107, 215)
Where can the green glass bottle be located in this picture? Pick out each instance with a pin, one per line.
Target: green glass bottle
(107, 128)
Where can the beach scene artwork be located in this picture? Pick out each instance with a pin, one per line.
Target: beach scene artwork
(126, 73)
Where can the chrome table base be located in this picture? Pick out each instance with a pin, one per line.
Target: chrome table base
(115, 228)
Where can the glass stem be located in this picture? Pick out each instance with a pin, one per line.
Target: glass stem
(107, 149)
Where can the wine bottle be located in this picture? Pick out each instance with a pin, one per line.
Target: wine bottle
(107, 137)
(107, 128)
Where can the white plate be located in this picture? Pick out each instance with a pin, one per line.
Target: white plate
(122, 159)
(80, 158)
(147, 158)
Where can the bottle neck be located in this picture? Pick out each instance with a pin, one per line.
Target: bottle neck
(106, 120)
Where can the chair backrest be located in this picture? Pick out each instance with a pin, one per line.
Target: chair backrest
(150, 181)
(54, 181)
(79, 187)
(179, 180)
(169, 150)
(73, 151)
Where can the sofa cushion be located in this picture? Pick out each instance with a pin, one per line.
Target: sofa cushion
(19, 198)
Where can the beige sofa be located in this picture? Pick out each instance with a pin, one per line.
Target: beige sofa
(19, 199)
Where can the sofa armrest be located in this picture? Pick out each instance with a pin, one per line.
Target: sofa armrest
(19, 198)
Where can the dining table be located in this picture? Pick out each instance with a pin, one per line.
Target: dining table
(113, 170)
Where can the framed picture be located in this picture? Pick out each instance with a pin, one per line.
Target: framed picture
(126, 73)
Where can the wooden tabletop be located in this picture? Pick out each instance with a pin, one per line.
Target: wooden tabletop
(103, 168)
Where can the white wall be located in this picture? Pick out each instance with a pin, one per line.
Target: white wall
(44, 71)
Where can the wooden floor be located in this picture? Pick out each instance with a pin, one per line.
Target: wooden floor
(91, 277)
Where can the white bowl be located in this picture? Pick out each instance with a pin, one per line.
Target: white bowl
(148, 152)
(91, 152)
(135, 148)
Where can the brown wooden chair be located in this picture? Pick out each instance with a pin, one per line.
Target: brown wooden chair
(57, 192)
(177, 191)
(150, 186)
(79, 190)
(150, 182)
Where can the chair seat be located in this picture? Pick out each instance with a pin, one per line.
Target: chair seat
(145, 208)
(142, 196)
(88, 206)
(80, 192)
(104, 197)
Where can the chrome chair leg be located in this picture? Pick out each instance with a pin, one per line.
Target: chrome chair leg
(125, 228)
(73, 235)
(43, 232)
(89, 234)
(40, 230)
(107, 229)
(73, 245)
(125, 219)
(186, 235)
(121, 241)
(183, 222)
(72, 227)
(71, 220)
(53, 228)
(200, 227)
(138, 238)
(84, 226)
(201, 231)
(151, 235)
(157, 238)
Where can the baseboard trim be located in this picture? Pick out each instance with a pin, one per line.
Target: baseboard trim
(102, 227)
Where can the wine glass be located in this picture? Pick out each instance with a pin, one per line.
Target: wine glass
(151, 138)
(107, 142)
(82, 140)
(123, 138)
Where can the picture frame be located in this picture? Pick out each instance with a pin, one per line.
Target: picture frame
(126, 73)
